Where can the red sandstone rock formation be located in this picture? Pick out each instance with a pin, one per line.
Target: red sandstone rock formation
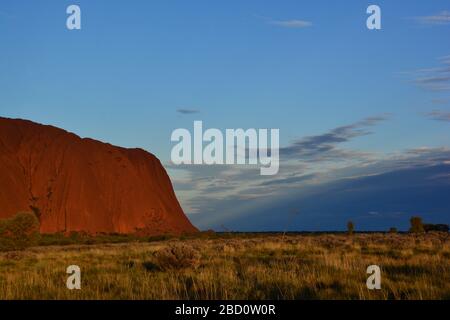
(75, 184)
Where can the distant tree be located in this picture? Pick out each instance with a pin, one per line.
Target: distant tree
(393, 230)
(416, 225)
(350, 227)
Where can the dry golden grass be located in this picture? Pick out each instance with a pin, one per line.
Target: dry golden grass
(331, 266)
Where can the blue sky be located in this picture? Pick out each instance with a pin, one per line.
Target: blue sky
(246, 64)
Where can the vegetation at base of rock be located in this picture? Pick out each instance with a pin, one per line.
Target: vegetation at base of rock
(19, 232)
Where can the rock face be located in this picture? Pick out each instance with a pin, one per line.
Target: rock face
(75, 184)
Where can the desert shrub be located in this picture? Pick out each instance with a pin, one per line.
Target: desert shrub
(163, 237)
(393, 230)
(436, 227)
(19, 232)
(416, 225)
(174, 257)
(350, 227)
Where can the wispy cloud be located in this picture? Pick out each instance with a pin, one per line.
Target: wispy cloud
(439, 115)
(287, 23)
(440, 18)
(324, 146)
(288, 180)
(434, 78)
(291, 23)
(188, 111)
(440, 101)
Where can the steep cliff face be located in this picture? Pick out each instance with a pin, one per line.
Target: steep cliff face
(76, 184)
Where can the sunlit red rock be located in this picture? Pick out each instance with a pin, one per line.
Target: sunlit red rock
(76, 184)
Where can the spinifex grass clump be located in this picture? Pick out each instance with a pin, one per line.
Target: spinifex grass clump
(174, 257)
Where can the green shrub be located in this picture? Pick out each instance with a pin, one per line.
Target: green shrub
(416, 225)
(19, 232)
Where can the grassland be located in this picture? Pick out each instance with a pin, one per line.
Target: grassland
(327, 266)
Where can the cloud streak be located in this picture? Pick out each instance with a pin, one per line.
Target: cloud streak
(435, 78)
(324, 146)
(288, 180)
(439, 115)
(441, 18)
(188, 111)
(293, 24)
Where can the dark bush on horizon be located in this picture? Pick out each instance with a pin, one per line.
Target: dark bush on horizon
(19, 232)
(436, 227)
(393, 230)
